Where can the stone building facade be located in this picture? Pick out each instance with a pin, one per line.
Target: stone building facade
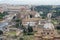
(47, 32)
(1, 9)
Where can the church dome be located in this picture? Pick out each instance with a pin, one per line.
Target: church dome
(37, 15)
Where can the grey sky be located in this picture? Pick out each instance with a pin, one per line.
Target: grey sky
(33, 2)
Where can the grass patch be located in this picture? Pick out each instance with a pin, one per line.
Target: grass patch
(58, 31)
(28, 37)
(12, 33)
(54, 21)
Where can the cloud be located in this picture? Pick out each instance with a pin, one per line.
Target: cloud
(34, 2)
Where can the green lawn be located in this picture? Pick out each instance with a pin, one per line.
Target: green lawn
(54, 22)
(12, 33)
(58, 31)
(28, 37)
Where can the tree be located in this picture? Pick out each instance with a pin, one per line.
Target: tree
(43, 17)
(18, 23)
(1, 32)
(58, 27)
(21, 39)
(24, 31)
(30, 29)
(6, 13)
(3, 14)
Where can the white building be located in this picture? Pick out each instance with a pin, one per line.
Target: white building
(48, 26)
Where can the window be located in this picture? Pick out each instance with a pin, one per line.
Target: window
(31, 16)
(51, 33)
(47, 33)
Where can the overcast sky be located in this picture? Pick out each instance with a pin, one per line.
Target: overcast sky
(33, 2)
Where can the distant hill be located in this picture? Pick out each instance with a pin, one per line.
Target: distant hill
(48, 8)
